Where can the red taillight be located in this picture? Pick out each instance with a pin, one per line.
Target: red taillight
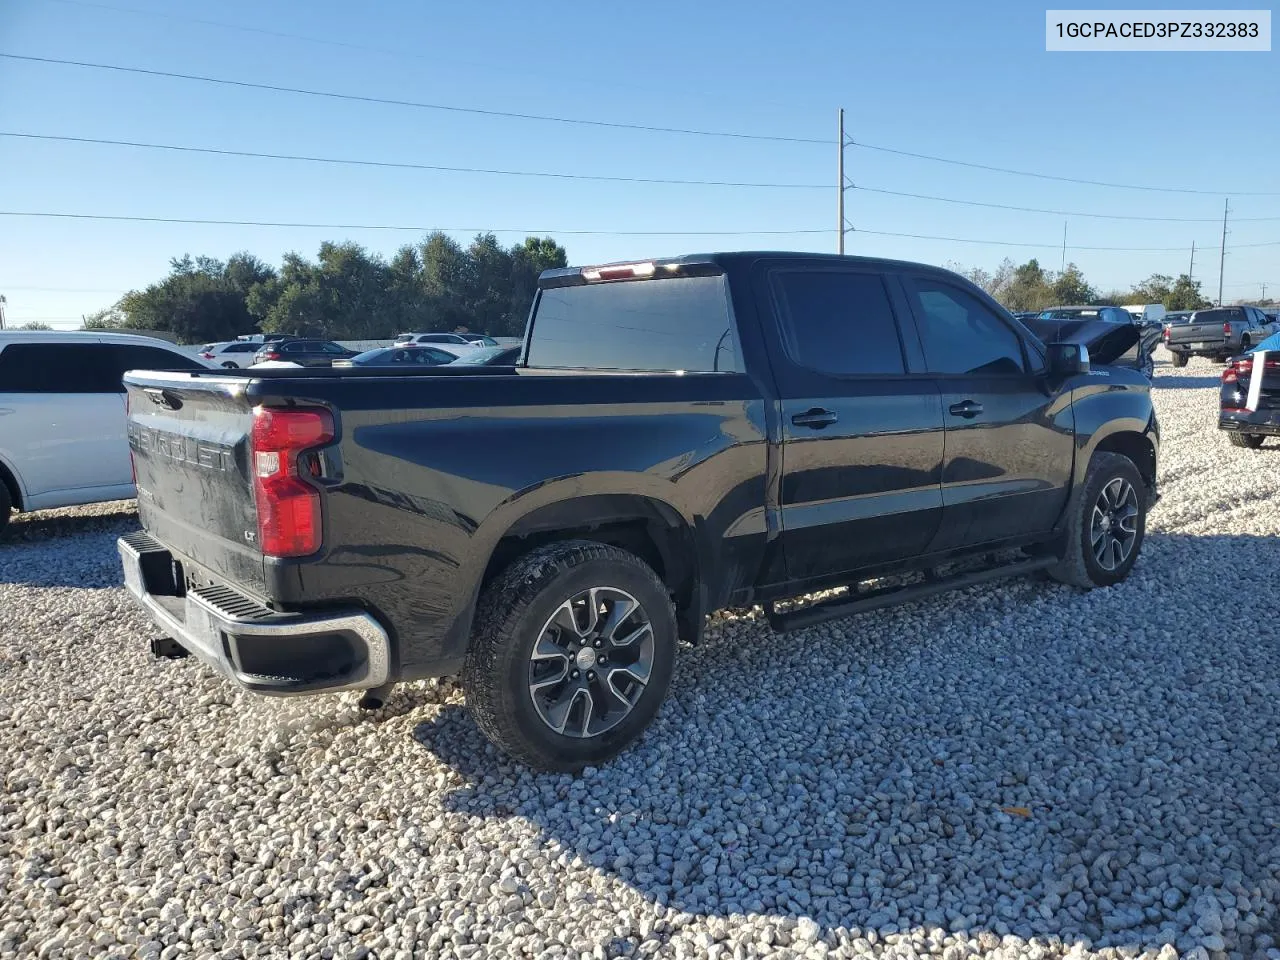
(1236, 370)
(207, 355)
(289, 523)
(1226, 329)
(1166, 334)
(271, 356)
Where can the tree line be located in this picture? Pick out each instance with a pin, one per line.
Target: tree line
(346, 293)
(1029, 286)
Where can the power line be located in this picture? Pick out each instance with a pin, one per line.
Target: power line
(388, 101)
(602, 178)
(405, 165)
(7, 286)
(413, 229)
(1047, 176)
(601, 233)
(1060, 213)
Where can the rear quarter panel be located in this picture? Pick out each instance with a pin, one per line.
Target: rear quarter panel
(432, 473)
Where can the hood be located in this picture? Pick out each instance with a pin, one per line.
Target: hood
(1106, 342)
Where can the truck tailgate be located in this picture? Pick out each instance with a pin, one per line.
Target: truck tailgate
(189, 437)
(1196, 333)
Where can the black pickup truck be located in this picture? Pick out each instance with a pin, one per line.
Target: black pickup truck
(679, 436)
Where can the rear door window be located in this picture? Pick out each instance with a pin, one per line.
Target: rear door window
(839, 322)
(672, 324)
(58, 368)
(129, 357)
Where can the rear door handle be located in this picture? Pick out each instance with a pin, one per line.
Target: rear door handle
(816, 418)
(966, 408)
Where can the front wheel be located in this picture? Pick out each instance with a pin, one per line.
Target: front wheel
(1107, 524)
(1251, 441)
(571, 656)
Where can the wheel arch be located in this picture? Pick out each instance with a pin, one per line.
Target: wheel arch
(1135, 446)
(9, 478)
(652, 529)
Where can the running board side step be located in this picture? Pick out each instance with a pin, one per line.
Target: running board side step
(891, 596)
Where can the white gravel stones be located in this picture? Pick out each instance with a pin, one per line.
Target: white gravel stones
(1011, 771)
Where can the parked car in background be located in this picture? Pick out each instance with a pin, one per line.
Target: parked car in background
(490, 357)
(62, 415)
(412, 354)
(1219, 333)
(304, 352)
(1147, 315)
(724, 437)
(1249, 397)
(468, 340)
(231, 354)
(1026, 314)
(1099, 323)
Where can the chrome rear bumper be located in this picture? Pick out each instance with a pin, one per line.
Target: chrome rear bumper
(262, 650)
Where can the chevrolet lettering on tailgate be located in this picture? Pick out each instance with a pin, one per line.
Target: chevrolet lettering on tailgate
(199, 453)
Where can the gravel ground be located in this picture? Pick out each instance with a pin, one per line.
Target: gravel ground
(1018, 771)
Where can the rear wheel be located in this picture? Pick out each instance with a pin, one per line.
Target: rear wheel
(6, 506)
(1179, 359)
(1251, 441)
(1107, 525)
(571, 656)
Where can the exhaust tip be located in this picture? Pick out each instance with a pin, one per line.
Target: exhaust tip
(375, 698)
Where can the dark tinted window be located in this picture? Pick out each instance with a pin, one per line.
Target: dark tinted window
(961, 334)
(680, 323)
(243, 348)
(1211, 316)
(57, 368)
(839, 323)
(128, 357)
(332, 347)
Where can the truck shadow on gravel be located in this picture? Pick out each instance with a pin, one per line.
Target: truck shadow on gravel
(1183, 382)
(1019, 759)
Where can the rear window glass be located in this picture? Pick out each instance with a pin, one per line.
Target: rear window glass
(680, 323)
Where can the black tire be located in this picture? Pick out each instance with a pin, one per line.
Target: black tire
(516, 610)
(1250, 441)
(1245, 344)
(1079, 566)
(6, 507)
(230, 365)
(1179, 359)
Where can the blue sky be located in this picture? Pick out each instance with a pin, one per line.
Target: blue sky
(964, 81)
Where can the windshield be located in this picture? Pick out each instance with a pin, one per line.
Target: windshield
(404, 338)
(1079, 314)
(497, 356)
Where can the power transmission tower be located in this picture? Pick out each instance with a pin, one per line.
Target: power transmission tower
(842, 225)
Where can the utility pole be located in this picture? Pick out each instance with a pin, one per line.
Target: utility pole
(1222, 255)
(1191, 270)
(840, 190)
(2, 303)
(1264, 291)
(1064, 247)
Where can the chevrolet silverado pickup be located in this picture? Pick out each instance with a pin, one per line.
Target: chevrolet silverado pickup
(678, 436)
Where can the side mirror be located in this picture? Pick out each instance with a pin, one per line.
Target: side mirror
(1068, 359)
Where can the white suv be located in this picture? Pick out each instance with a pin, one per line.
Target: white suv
(62, 415)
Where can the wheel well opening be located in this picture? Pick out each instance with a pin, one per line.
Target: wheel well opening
(11, 484)
(652, 532)
(1138, 449)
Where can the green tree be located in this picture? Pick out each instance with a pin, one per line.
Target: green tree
(1185, 295)
(1028, 288)
(202, 299)
(1155, 289)
(1070, 286)
(35, 325)
(108, 318)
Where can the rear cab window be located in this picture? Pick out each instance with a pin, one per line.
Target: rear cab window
(675, 323)
(93, 367)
